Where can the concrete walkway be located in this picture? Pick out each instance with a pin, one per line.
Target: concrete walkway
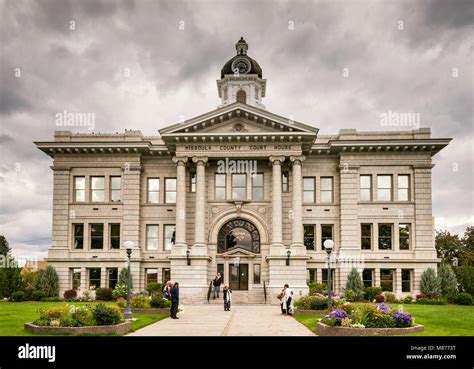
(212, 320)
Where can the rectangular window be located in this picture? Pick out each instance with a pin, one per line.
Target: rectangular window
(386, 279)
(152, 237)
(325, 277)
(257, 187)
(308, 189)
(165, 275)
(365, 184)
(116, 189)
(326, 233)
(256, 273)
(403, 187)
(153, 188)
(170, 190)
(151, 276)
(79, 189)
(367, 277)
(239, 186)
(98, 189)
(309, 236)
(170, 234)
(76, 278)
(406, 280)
(404, 236)
(220, 193)
(78, 236)
(312, 274)
(326, 190)
(366, 236)
(385, 236)
(284, 182)
(114, 236)
(94, 278)
(384, 188)
(112, 276)
(97, 236)
(192, 185)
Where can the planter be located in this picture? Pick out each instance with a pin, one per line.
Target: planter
(118, 329)
(308, 312)
(150, 311)
(326, 330)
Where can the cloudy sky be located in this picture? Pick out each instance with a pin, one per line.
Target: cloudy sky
(144, 64)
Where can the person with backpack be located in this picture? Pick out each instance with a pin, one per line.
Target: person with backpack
(227, 292)
(288, 300)
(167, 290)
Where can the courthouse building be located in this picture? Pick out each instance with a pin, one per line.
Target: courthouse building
(245, 192)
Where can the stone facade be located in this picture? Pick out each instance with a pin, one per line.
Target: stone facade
(308, 179)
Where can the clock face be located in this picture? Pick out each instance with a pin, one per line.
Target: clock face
(241, 66)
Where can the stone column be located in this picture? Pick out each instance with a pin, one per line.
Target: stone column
(200, 219)
(297, 244)
(180, 237)
(277, 221)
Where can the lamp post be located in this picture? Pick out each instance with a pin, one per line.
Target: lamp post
(128, 309)
(328, 245)
(288, 254)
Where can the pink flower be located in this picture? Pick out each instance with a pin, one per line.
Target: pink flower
(120, 299)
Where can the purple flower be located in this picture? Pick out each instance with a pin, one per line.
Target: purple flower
(384, 308)
(337, 315)
(402, 319)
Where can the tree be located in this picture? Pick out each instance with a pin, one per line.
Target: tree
(123, 278)
(449, 283)
(430, 283)
(465, 275)
(5, 249)
(355, 284)
(10, 277)
(468, 238)
(47, 281)
(448, 246)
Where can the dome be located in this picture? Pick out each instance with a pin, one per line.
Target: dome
(252, 66)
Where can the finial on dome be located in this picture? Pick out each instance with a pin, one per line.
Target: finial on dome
(241, 46)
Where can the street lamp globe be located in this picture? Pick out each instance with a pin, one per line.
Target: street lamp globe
(328, 245)
(129, 245)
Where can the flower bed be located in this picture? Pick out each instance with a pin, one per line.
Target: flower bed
(71, 319)
(366, 320)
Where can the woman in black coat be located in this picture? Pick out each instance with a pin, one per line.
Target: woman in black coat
(174, 301)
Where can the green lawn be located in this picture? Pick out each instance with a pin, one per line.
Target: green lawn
(14, 314)
(439, 320)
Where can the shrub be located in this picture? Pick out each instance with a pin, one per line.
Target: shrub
(103, 294)
(28, 294)
(402, 320)
(106, 315)
(464, 299)
(371, 292)
(407, 299)
(160, 303)
(37, 295)
(121, 302)
(10, 278)
(123, 278)
(465, 277)
(70, 294)
(433, 301)
(421, 296)
(312, 303)
(154, 288)
(430, 283)
(350, 295)
(120, 290)
(86, 296)
(83, 316)
(379, 298)
(47, 280)
(449, 283)
(18, 296)
(390, 297)
(355, 284)
(315, 287)
(140, 302)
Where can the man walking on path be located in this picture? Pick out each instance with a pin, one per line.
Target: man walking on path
(216, 284)
(174, 301)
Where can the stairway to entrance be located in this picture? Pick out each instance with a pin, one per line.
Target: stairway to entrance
(242, 298)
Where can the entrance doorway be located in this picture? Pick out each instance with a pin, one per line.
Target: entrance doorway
(239, 277)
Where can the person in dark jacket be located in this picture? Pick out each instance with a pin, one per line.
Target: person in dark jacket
(216, 284)
(174, 301)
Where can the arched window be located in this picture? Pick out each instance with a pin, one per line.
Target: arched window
(241, 96)
(238, 233)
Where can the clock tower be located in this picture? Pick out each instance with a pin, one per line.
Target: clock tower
(241, 79)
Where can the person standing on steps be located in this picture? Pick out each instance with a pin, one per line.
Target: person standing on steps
(227, 292)
(216, 284)
(174, 301)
